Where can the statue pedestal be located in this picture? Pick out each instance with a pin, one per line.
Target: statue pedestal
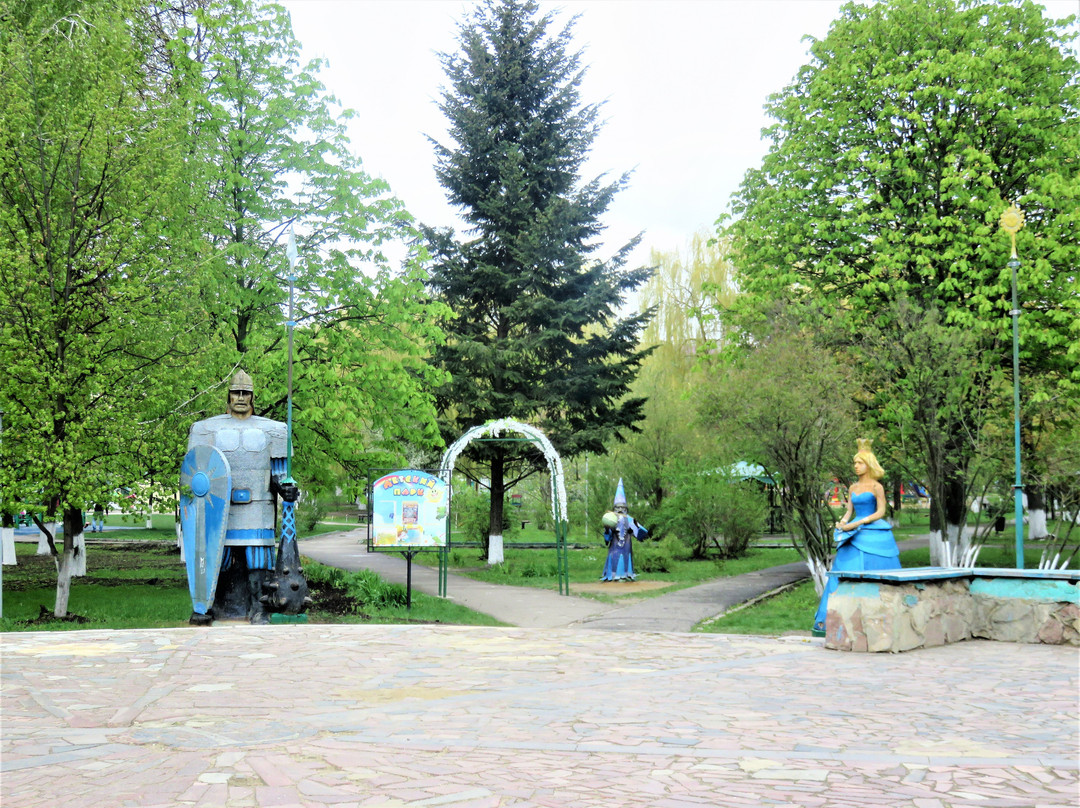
(288, 618)
(920, 607)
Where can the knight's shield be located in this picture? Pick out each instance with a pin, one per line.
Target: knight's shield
(205, 488)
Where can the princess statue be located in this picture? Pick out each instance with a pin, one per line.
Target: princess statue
(864, 541)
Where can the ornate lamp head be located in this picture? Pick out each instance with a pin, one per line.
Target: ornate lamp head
(1011, 221)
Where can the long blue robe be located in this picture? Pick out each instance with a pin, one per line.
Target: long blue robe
(868, 547)
(620, 558)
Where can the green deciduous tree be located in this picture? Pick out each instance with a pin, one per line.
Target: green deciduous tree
(942, 426)
(95, 314)
(536, 334)
(689, 292)
(787, 405)
(893, 155)
(711, 508)
(270, 145)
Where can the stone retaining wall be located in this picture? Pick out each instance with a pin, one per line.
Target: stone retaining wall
(898, 610)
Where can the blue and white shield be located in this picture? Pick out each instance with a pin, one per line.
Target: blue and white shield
(205, 488)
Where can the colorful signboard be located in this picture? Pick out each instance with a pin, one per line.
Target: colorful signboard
(408, 511)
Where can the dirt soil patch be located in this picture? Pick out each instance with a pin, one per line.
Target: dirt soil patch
(618, 588)
(332, 600)
(46, 617)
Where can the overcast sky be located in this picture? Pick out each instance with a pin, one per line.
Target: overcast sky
(684, 83)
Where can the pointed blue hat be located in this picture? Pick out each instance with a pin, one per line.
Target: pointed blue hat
(620, 494)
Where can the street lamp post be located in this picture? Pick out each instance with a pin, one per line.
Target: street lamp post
(1, 519)
(1011, 222)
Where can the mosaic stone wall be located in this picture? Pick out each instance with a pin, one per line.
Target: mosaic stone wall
(875, 616)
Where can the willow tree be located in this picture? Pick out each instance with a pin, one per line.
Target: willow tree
(537, 335)
(689, 292)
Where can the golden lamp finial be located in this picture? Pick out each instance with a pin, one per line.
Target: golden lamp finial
(1011, 221)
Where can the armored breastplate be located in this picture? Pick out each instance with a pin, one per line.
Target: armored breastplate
(249, 445)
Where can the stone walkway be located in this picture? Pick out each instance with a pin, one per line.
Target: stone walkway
(466, 717)
(530, 607)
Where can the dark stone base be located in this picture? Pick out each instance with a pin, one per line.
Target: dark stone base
(231, 597)
(239, 591)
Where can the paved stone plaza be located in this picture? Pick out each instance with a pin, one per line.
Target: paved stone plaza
(453, 716)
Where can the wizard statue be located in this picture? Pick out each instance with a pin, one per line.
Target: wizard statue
(619, 529)
(232, 474)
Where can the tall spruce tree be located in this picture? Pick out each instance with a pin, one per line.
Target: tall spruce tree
(537, 336)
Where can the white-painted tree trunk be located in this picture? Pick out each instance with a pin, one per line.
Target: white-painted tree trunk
(937, 549)
(63, 583)
(180, 541)
(78, 563)
(149, 521)
(819, 574)
(1036, 524)
(8, 538)
(495, 549)
(43, 540)
(947, 551)
(961, 542)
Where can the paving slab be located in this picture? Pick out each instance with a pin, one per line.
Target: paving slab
(366, 715)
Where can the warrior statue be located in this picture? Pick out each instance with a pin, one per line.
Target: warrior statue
(231, 477)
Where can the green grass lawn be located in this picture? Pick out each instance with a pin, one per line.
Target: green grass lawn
(141, 583)
(144, 585)
(132, 527)
(538, 567)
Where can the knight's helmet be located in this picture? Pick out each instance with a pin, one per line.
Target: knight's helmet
(241, 381)
(620, 495)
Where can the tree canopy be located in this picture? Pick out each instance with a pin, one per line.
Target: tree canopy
(95, 311)
(273, 155)
(152, 161)
(894, 153)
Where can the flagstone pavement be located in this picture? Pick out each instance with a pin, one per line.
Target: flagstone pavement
(463, 717)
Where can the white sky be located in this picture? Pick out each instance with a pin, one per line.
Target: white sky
(684, 83)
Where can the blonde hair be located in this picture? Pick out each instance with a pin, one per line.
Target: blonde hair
(866, 455)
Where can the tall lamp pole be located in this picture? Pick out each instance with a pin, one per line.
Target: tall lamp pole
(1011, 221)
(1, 520)
(293, 255)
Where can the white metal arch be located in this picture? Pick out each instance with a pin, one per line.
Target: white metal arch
(558, 483)
(495, 429)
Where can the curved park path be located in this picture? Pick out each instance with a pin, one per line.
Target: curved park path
(529, 607)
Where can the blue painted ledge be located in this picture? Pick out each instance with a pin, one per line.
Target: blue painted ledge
(916, 574)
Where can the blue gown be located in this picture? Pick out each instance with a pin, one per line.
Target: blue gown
(867, 547)
(620, 558)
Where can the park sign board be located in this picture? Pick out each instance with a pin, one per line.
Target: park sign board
(408, 511)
